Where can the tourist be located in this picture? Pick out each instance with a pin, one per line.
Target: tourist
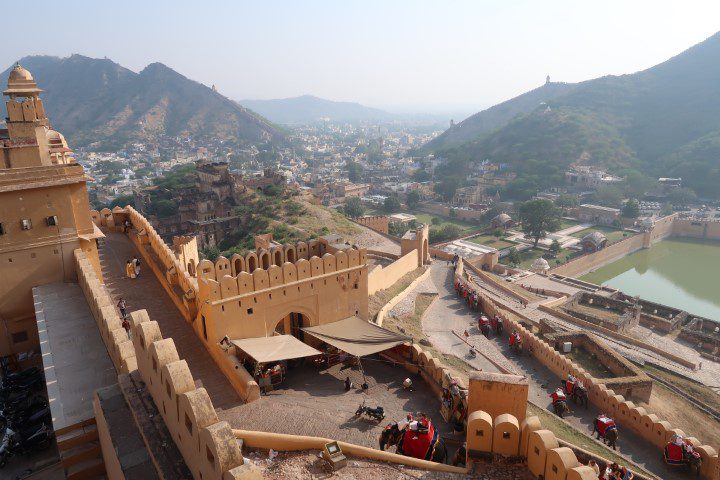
(607, 473)
(122, 306)
(136, 266)
(596, 468)
(626, 474)
(348, 384)
(130, 269)
(126, 326)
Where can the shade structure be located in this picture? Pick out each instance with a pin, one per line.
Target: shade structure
(274, 349)
(356, 336)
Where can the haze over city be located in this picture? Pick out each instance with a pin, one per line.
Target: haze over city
(402, 56)
(368, 240)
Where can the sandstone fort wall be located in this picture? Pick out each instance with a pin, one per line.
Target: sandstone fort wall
(382, 277)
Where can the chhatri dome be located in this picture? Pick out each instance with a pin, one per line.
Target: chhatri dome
(21, 82)
(540, 265)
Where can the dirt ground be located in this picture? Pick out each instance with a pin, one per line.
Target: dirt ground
(381, 298)
(683, 415)
(308, 464)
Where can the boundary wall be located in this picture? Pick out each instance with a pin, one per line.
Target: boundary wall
(381, 277)
(115, 337)
(395, 300)
(207, 444)
(654, 430)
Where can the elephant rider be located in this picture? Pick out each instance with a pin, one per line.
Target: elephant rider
(570, 384)
(515, 338)
(558, 395)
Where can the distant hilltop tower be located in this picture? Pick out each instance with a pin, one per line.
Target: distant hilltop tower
(452, 122)
(214, 89)
(547, 80)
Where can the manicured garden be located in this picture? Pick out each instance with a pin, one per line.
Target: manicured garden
(490, 240)
(613, 234)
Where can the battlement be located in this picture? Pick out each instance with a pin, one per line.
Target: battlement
(379, 223)
(295, 261)
(219, 281)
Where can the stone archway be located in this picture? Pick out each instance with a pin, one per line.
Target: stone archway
(291, 324)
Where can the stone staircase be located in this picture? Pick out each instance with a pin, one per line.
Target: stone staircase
(80, 453)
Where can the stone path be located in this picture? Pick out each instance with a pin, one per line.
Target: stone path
(406, 306)
(372, 240)
(145, 292)
(449, 313)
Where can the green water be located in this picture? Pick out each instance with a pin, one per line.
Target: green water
(683, 274)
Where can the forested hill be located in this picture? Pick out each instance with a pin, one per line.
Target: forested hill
(98, 102)
(663, 121)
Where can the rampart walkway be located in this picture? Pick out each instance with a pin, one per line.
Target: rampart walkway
(145, 292)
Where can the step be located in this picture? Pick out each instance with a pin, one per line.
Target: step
(91, 468)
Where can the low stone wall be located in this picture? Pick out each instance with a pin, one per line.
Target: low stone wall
(109, 324)
(652, 429)
(501, 285)
(381, 277)
(585, 263)
(207, 444)
(685, 227)
(395, 300)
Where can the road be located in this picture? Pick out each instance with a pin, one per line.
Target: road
(450, 313)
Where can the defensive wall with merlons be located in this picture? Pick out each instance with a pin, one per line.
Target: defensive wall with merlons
(648, 425)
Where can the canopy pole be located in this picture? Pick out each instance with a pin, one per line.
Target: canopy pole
(362, 371)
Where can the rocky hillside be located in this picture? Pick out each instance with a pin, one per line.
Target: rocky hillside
(98, 102)
(664, 121)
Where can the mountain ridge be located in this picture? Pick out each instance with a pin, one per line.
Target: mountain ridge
(649, 122)
(97, 102)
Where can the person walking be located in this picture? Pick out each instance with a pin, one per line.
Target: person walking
(130, 269)
(136, 266)
(122, 305)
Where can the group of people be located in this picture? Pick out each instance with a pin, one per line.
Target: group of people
(132, 268)
(611, 471)
(419, 424)
(122, 306)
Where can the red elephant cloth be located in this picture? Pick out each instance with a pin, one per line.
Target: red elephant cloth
(483, 320)
(569, 386)
(557, 395)
(418, 444)
(604, 423)
(673, 453)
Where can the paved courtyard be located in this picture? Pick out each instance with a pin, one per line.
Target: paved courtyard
(314, 402)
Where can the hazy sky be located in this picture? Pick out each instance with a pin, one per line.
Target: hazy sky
(402, 55)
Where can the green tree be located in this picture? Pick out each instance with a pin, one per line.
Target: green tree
(211, 253)
(682, 196)
(555, 247)
(435, 221)
(165, 208)
(445, 233)
(413, 199)
(498, 232)
(391, 204)
(608, 195)
(566, 201)
(667, 209)
(353, 207)
(538, 217)
(420, 175)
(354, 171)
(123, 201)
(447, 187)
(513, 256)
(631, 209)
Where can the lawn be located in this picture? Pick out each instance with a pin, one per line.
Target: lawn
(426, 218)
(613, 234)
(491, 241)
(566, 223)
(527, 257)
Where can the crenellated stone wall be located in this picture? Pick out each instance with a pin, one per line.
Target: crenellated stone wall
(379, 223)
(109, 324)
(208, 445)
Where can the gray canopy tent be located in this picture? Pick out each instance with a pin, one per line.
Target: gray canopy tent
(356, 336)
(274, 349)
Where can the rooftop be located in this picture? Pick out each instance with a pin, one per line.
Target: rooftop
(75, 360)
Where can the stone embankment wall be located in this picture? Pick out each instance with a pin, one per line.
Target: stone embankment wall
(685, 227)
(585, 263)
(109, 324)
(207, 444)
(654, 430)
